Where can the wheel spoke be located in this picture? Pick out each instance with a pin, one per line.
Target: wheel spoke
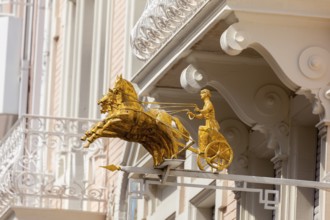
(212, 158)
(212, 151)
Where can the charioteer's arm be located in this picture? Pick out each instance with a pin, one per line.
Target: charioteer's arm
(208, 107)
(192, 116)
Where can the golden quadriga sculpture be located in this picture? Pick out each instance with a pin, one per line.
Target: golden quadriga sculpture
(161, 134)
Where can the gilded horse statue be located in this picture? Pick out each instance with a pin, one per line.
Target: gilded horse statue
(160, 133)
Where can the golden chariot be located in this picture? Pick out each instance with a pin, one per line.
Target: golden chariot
(160, 133)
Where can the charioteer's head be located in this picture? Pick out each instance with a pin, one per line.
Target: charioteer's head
(205, 93)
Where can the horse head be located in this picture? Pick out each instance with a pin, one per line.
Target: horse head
(122, 93)
(106, 102)
(125, 88)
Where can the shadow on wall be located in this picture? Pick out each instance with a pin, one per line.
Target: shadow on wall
(6, 122)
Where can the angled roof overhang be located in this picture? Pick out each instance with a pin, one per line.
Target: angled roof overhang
(179, 43)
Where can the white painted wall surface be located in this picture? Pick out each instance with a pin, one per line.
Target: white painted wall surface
(10, 48)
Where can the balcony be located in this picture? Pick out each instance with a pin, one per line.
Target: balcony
(43, 166)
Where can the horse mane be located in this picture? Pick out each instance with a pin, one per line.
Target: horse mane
(125, 87)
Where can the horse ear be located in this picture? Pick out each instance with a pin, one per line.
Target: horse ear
(119, 77)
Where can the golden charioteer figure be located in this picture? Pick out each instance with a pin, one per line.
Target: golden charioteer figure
(160, 133)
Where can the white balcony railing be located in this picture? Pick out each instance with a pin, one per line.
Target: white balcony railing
(43, 165)
(159, 22)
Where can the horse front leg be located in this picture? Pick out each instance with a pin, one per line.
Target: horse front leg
(90, 135)
(109, 122)
(110, 134)
(90, 140)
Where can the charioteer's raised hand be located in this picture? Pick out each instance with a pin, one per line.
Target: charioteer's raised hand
(191, 115)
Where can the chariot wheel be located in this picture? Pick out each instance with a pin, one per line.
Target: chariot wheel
(218, 154)
(201, 162)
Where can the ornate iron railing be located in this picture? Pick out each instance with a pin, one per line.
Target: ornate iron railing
(43, 165)
(160, 21)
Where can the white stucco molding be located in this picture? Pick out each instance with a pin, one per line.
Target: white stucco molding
(237, 135)
(261, 105)
(159, 22)
(157, 66)
(277, 136)
(191, 83)
(296, 47)
(261, 101)
(192, 80)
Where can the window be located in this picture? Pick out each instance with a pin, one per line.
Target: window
(203, 205)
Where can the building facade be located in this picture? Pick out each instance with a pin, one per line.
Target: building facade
(59, 58)
(266, 63)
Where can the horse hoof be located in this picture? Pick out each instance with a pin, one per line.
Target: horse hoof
(87, 145)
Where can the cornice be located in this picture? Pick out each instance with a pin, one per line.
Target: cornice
(316, 9)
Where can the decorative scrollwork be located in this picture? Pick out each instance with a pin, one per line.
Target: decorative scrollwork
(313, 62)
(29, 165)
(35, 124)
(27, 181)
(51, 189)
(271, 101)
(236, 134)
(53, 141)
(72, 126)
(159, 22)
(95, 193)
(192, 80)
(74, 191)
(58, 126)
(76, 144)
(35, 140)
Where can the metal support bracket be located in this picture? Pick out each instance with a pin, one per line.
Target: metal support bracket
(326, 178)
(167, 166)
(159, 176)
